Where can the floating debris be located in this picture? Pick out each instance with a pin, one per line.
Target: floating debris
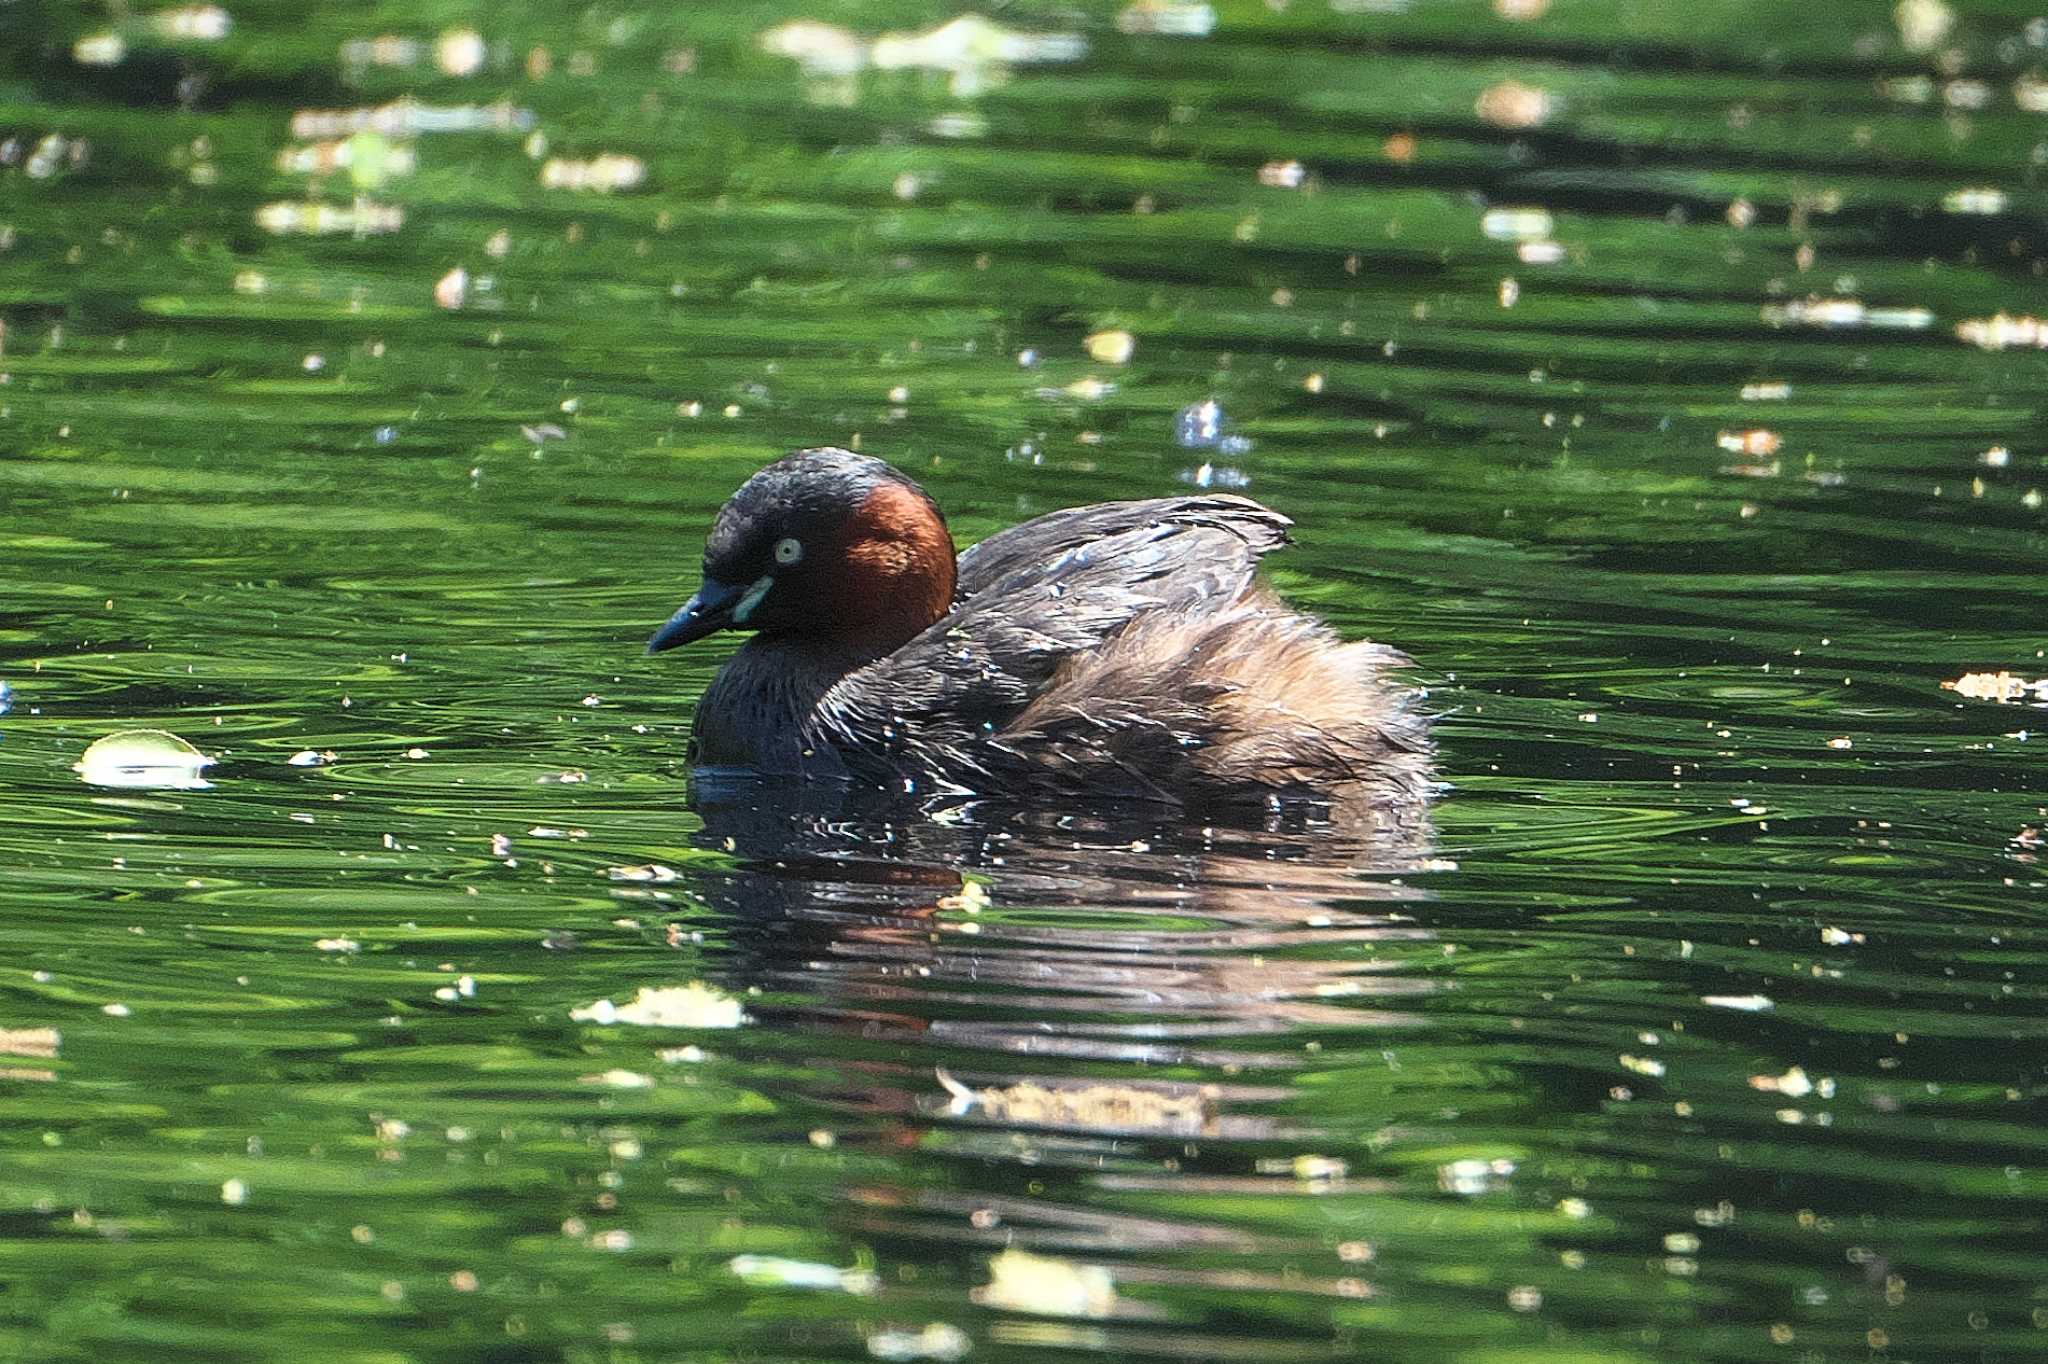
(1043, 1284)
(1111, 347)
(6, 698)
(1511, 104)
(451, 291)
(1844, 312)
(819, 49)
(1098, 1105)
(362, 219)
(1752, 442)
(307, 757)
(1308, 1169)
(2003, 331)
(674, 1006)
(773, 1271)
(1794, 1084)
(940, 1340)
(369, 158)
(1749, 1004)
(600, 174)
(1775, 390)
(146, 758)
(972, 50)
(1517, 224)
(2001, 687)
(1473, 1175)
(386, 49)
(193, 23)
(460, 52)
(410, 118)
(1978, 200)
(1167, 19)
(1283, 175)
(1923, 24)
(652, 871)
(100, 49)
(41, 1043)
(336, 945)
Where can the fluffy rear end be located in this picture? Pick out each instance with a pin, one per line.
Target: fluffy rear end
(1218, 708)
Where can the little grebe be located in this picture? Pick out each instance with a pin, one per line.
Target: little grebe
(1119, 650)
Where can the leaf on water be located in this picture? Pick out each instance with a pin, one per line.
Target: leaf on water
(1998, 686)
(773, 1271)
(1022, 1282)
(37, 1042)
(152, 758)
(1103, 1106)
(670, 1006)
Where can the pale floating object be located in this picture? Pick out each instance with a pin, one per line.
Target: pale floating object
(362, 219)
(451, 291)
(154, 759)
(1047, 1286)
(336, 945)
(773, 1271)
(819, 49)
(100, 49)
(1647, 1066)
(307, 757)
(1521, 11)
(650, 871)
(1474, 1175)
(1975, 199)
(234, 1192)
(194, 23)
(1840, 937)
(603, 174)
(620, 1079)
(460, 52)
(386, 49)
(1511, 104)
(1283, 174)
(673, 1006)
(409, 118)
(1997, 457)
(370, 158)
(1999, 686)
(1111, 347)
(1308, 1169)
(1097, 1106)
(1517, 224)
(1923, 24)
(972, 43)
(1510, 292)
(1775, 390)
(1749, 1004)
(940, 1340)
(41, 1043)
(1753, 442)
(1167, 19)
(1844, 312)
(2030, 93)
(1793, 1084)
(2003, 331)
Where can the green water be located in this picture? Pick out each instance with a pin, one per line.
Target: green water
(1710, 1027)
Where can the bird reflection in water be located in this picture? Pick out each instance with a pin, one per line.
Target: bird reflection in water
(1129, 1002)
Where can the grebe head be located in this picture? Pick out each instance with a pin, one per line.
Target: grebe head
(826, 545)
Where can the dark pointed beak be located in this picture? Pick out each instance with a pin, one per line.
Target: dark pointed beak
(704, 614)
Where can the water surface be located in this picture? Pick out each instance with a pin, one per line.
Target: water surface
(1662, 377)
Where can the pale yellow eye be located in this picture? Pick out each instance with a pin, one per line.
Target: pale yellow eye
(788, 551)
